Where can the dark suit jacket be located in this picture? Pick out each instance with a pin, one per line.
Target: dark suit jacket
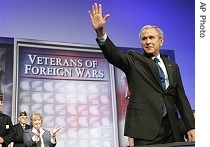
(28, 134)
(145, 107)
(18, 140)
(6, 129)
(183, 129)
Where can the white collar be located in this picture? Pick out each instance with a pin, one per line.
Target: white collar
(159, 58)
(35, 131)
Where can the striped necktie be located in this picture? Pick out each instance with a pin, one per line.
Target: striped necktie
(162, 79)
(161, 73)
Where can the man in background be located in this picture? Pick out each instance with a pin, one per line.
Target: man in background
(6, 127)
(19, 129)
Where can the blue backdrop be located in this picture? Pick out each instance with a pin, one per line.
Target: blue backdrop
(68, 21)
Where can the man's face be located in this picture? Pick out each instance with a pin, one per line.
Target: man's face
(151, 41)
(1, 106)
(22, 119)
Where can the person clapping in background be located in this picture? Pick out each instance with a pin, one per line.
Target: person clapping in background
(37, 136)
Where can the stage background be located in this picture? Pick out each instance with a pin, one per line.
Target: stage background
(72, 86)
(68, 21)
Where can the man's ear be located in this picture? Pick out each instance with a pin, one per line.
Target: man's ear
(161, 41)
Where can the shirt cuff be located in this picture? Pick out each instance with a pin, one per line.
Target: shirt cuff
(101, 40)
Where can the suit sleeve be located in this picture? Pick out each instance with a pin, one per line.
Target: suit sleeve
(10, 136)
(183, 104)
(115, 56)
(18, 137)
(27, 138)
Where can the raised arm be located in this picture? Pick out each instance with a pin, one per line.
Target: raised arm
(97, 19)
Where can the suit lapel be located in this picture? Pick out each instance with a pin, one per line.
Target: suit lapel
(154, 69)
(155, 72)
(20, 127)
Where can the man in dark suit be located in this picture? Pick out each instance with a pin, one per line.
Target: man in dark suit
(6, 127)
(37, 136)
(19, 129)
(156, 89)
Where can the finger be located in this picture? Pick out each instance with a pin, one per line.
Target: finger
(97, 8)
(94, 8)
(57, 130)
(100, 9)
(193, 138)
(106, 16)
(90, 14)
(189, 138)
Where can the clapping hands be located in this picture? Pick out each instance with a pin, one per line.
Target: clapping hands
(55, 130)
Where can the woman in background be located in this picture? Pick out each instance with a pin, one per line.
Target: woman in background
(37, 136)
